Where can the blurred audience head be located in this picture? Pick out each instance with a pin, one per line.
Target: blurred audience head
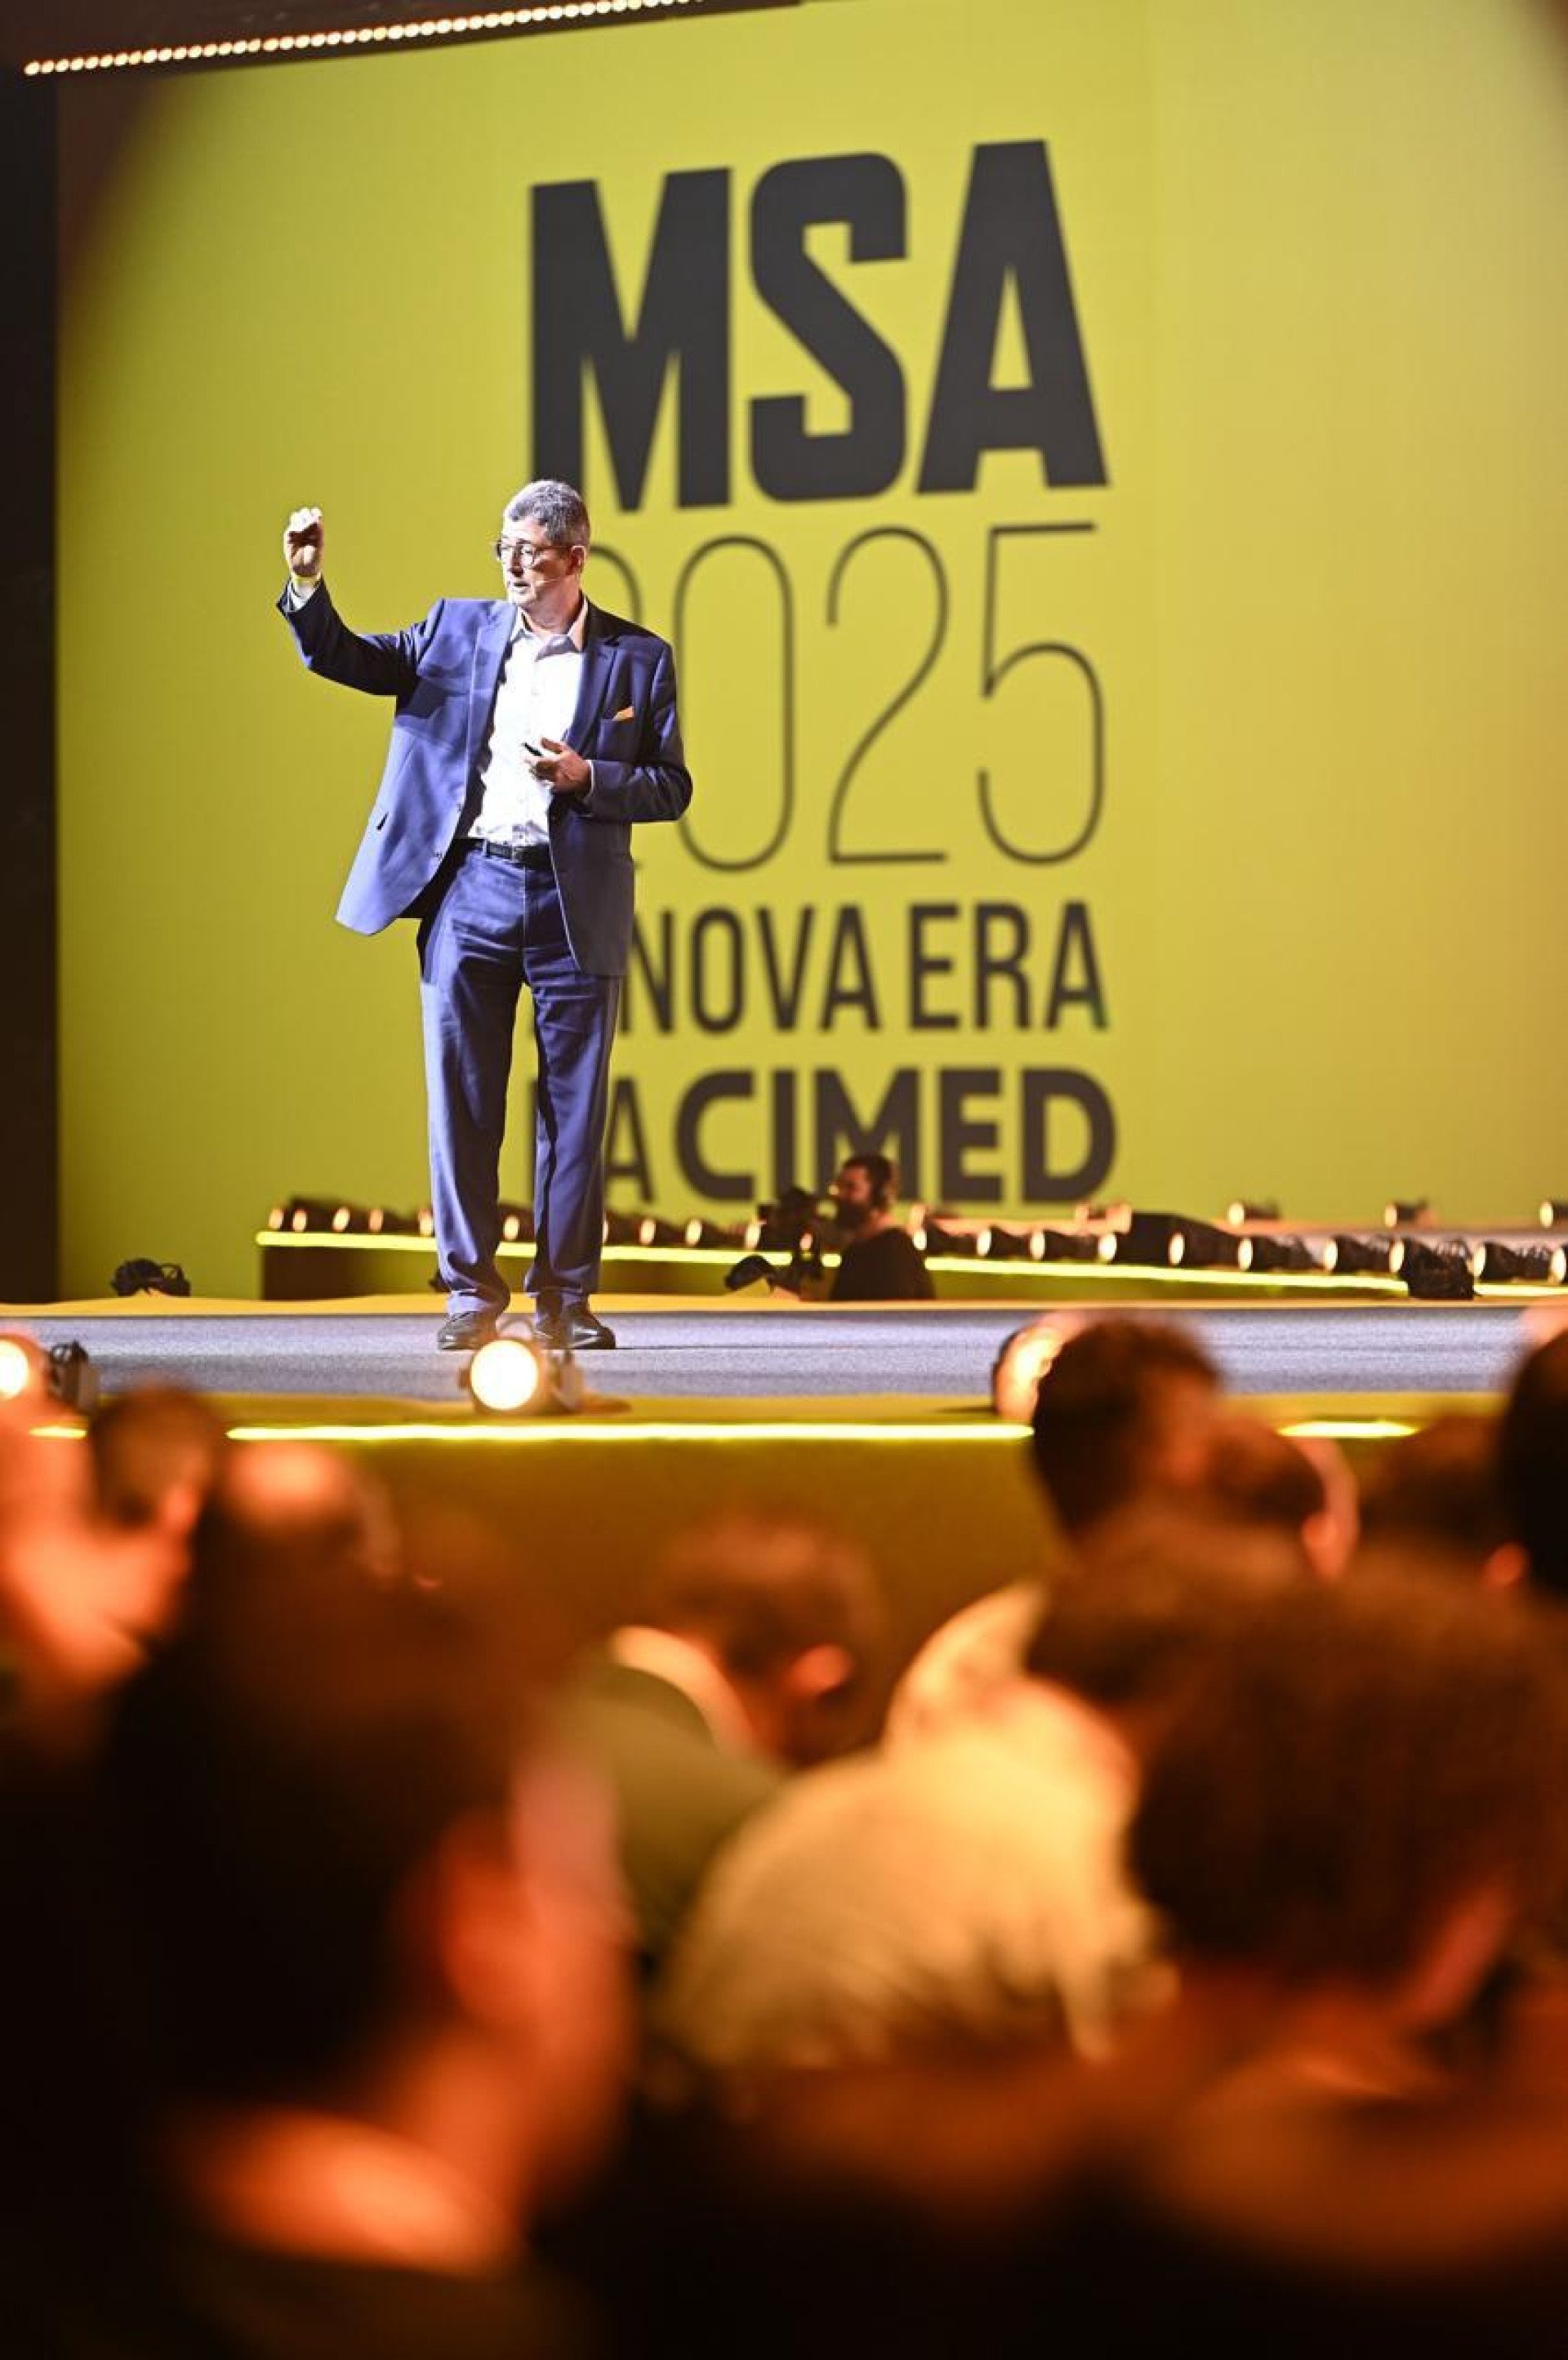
(1124, 1411)
(1168, 1586)
(81, 1596)
(1532, 1463)
(288, 1506)
(1439, 1492)
(341, 1864)
(1363, 1788)
(1260, 1480)
(789, 1613)
(155, 1455)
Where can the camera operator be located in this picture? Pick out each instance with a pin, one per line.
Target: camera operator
(880, 1262)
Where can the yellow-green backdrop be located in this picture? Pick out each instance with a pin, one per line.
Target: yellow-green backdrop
(1291, 677)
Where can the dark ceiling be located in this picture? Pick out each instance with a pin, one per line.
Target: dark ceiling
(47, 28)
(55, 28)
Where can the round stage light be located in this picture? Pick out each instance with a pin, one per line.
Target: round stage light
(954, 1244)
(653, 1232)
(22, 1367)
(1201, 1245)
(1350, 1256)
(1496, 1261)
(507, 1375)
(998, 1245)
(1264, 1256)
(1141, 1240)
(709, 1235)
(1062, 1245)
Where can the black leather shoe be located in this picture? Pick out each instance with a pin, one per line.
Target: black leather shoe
(465, 1331)
(573, 1328)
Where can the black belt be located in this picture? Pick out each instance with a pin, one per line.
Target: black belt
(520, 855)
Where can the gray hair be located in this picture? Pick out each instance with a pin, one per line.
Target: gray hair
(555, 505)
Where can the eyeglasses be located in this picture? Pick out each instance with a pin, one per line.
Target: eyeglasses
(530, 553)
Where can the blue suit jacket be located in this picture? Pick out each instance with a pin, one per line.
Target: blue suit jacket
(443, 674)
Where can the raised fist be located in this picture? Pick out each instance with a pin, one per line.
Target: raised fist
(302, 545)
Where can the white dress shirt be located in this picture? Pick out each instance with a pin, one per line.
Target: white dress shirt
(536, 700)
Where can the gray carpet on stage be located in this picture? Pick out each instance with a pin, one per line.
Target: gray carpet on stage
(743, 1355)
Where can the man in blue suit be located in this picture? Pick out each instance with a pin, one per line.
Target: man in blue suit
(530, 732)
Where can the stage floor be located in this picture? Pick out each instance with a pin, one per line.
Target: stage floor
(879, 1421)
(750, 1359)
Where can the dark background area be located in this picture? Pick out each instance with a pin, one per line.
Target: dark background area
(49, 28)
(57, 28)
(28, 1165)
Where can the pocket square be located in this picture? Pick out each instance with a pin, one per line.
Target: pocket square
(626, 713)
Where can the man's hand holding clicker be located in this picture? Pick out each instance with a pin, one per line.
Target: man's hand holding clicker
(563, 771)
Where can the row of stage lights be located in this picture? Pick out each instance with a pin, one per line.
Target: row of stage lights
(1249, 1241)
(511, 1376)
(1428, 1264)
(516, 1376)
(353, 37)
(325, 1216)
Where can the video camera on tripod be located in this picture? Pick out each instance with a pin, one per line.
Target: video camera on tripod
(796, 1225)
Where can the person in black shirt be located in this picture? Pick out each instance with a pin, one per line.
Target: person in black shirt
(880, 1262)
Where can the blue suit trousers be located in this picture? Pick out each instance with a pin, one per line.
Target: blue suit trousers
(496, 927)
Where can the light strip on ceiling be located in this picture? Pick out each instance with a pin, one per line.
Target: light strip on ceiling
(427, 29)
